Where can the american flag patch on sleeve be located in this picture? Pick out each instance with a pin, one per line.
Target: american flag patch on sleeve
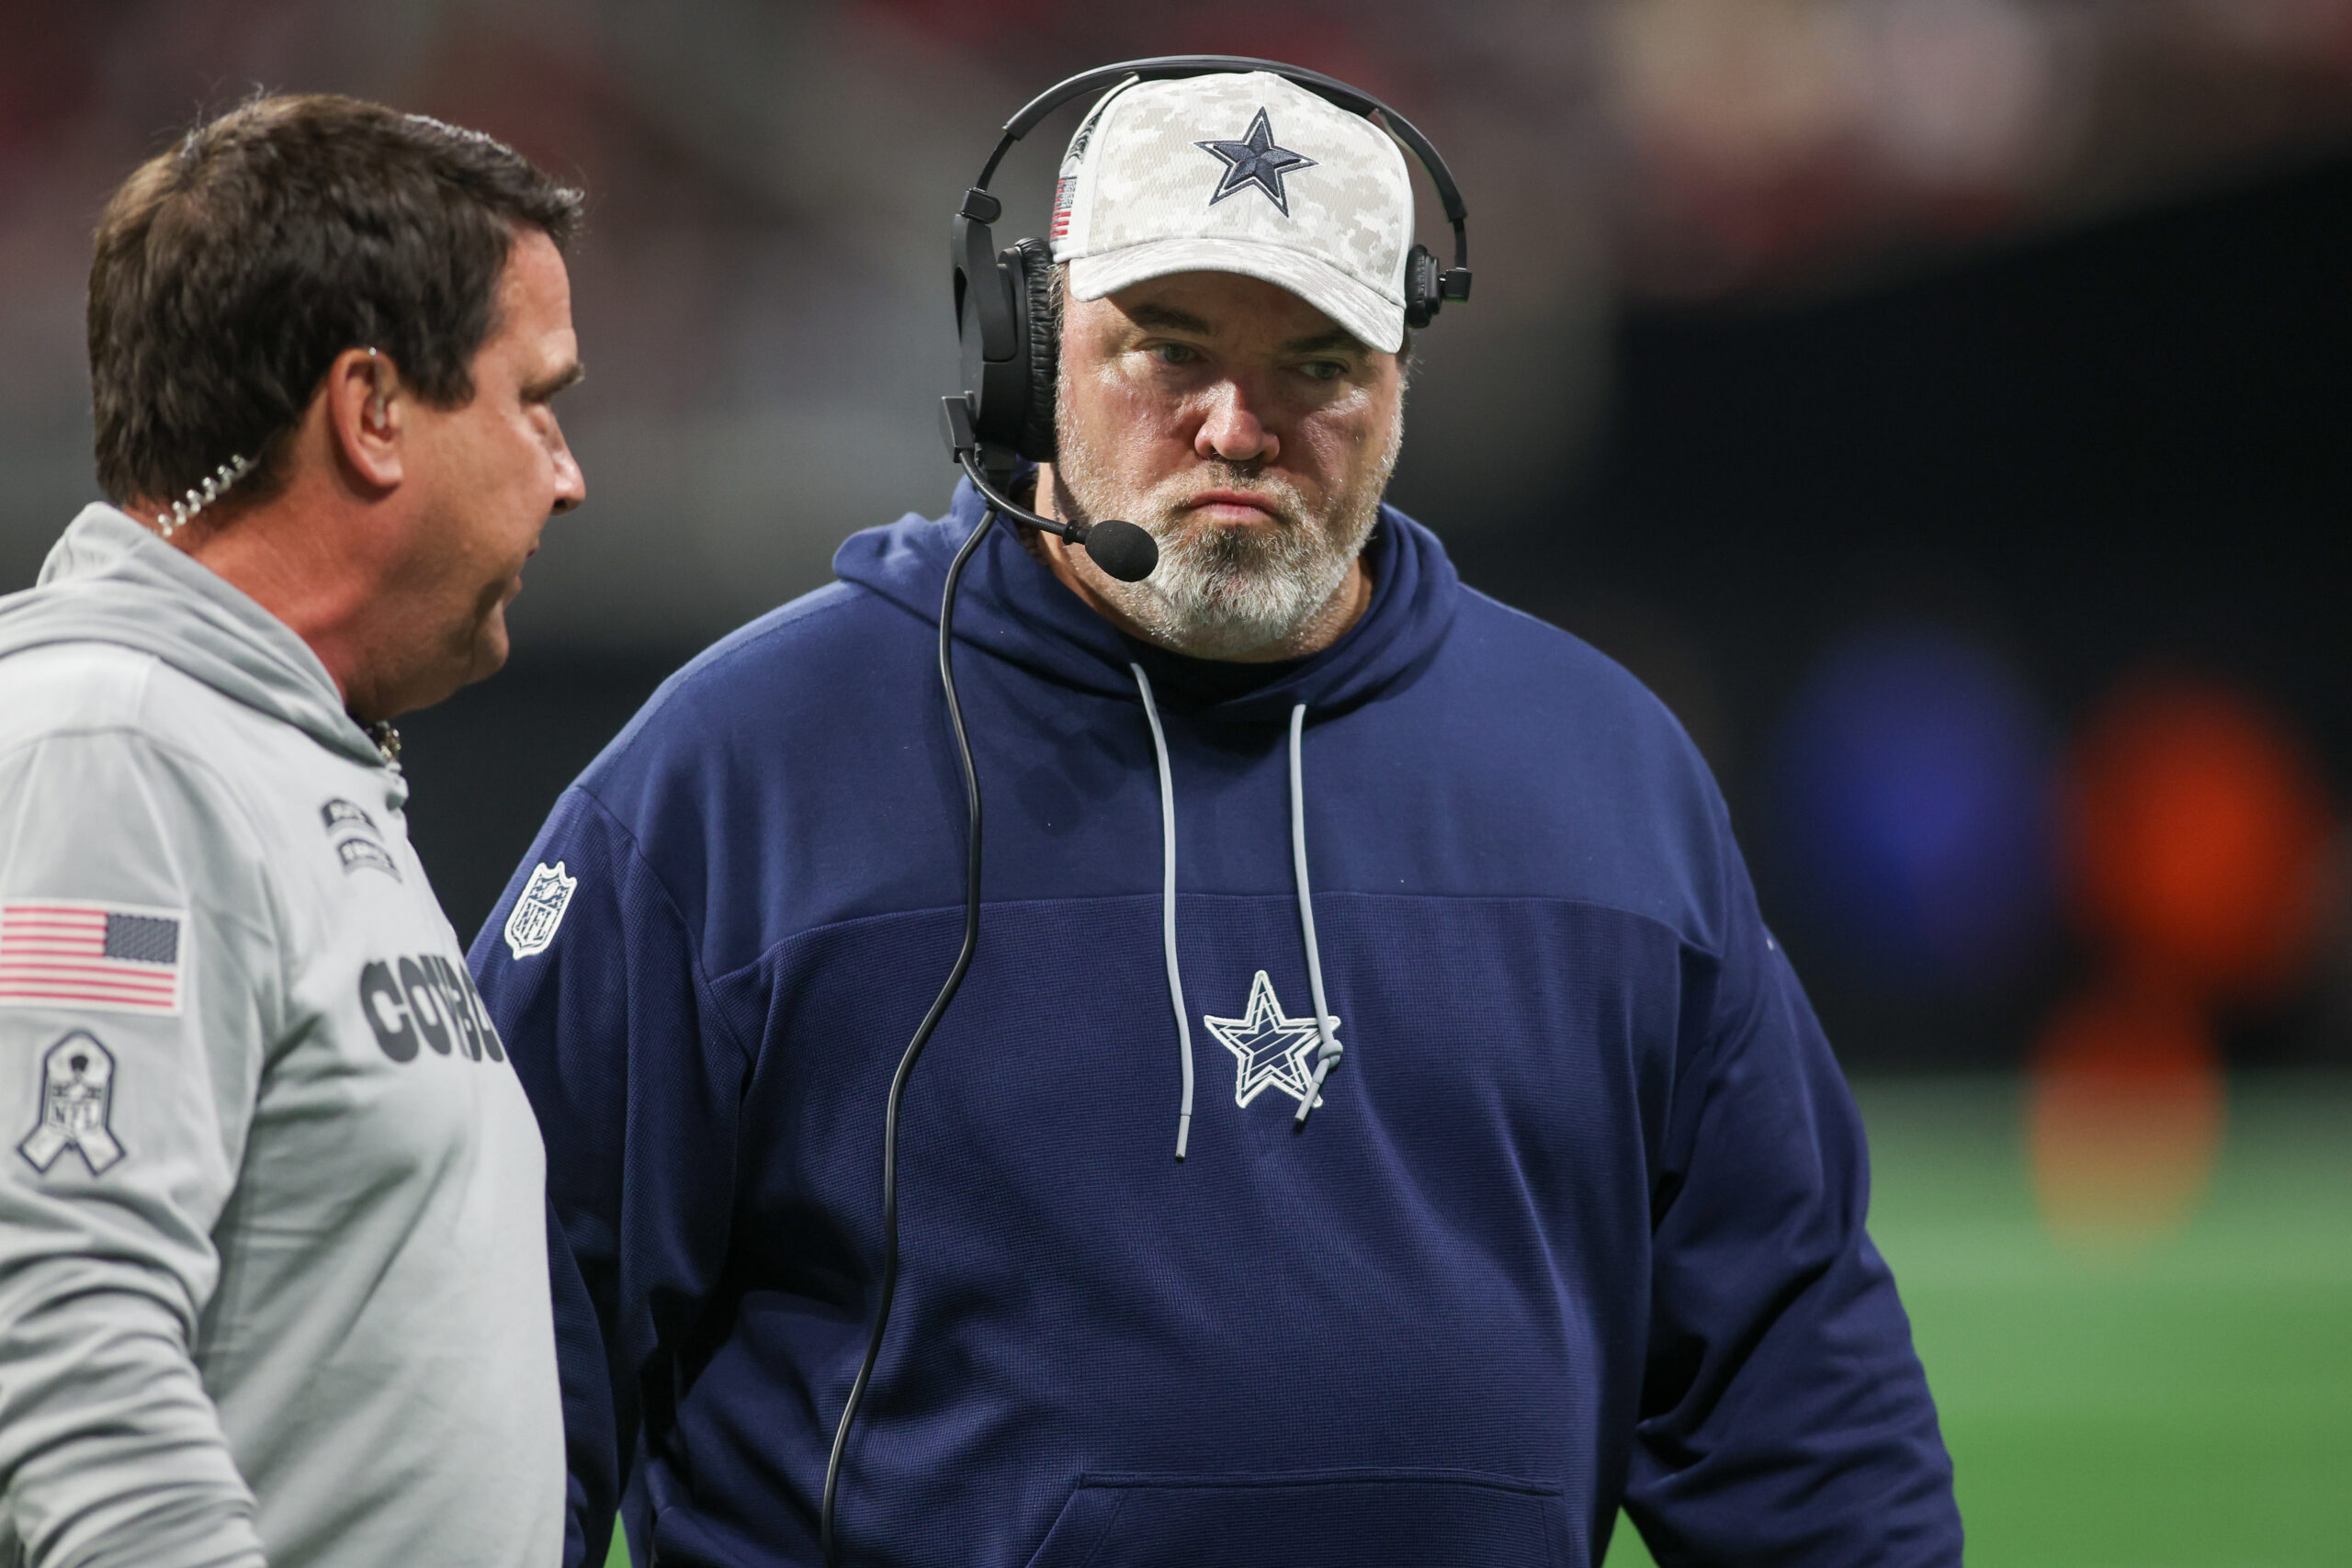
(64, 952)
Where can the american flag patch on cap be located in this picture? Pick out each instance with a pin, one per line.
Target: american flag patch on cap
(63, 953)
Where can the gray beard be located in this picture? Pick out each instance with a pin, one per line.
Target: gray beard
(1224, 591)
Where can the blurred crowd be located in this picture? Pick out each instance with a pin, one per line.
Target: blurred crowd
(771, 182)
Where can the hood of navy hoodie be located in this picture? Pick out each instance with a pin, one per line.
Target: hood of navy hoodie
(1012, 606)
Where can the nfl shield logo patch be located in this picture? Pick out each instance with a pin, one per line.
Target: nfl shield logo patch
(531, 927)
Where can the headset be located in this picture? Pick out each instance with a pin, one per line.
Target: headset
(1005, 320)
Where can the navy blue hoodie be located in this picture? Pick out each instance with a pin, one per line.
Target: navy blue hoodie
(1579, 1220)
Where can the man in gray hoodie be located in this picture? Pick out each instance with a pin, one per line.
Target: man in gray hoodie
(273, 1281)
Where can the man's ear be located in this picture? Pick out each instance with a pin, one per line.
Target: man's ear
(367, 409)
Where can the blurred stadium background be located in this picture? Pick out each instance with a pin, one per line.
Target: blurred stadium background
(1945, 405)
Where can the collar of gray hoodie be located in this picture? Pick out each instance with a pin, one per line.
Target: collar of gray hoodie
(109, 579)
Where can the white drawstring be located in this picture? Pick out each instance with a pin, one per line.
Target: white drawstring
(1168, 906)
(1330, 1057)
(1331, 1049)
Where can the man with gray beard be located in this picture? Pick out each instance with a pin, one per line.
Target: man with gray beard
(1537, 1193)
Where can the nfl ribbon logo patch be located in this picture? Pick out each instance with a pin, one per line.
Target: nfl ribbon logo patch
(65, 953)
(530, 928)
(76, 1106)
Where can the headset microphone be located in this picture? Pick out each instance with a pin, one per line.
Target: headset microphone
(1119, 548)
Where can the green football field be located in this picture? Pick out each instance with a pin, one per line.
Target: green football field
(2181, 1403)
(2185, 1402)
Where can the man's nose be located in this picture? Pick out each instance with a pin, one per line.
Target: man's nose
(571, 484)
(1233, 432)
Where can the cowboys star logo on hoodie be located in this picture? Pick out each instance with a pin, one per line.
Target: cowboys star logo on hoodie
(1270, 1046)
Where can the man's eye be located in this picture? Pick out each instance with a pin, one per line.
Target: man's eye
(1323, 369)
(1173, 352)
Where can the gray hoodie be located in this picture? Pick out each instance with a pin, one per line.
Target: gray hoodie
(273, 1279)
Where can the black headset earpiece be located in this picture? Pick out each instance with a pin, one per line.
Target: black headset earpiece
(1004, 303)
(1425, 293)
(1007, 328)
(989, 311)
(1033, 282)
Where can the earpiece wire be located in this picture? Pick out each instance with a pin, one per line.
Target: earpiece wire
(921, 1038)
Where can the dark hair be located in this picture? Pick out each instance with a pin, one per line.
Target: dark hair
(230, 271)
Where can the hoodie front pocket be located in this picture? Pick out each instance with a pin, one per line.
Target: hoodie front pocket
(1332, 1518)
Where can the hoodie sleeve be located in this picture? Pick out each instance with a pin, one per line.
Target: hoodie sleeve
(131, 1007)
(637, 1082)
(1785, 1417)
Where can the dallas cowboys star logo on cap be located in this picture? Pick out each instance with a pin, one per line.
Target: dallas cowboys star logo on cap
(1255, 160)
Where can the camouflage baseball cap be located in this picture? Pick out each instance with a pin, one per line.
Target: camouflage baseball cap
(1240, 173)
